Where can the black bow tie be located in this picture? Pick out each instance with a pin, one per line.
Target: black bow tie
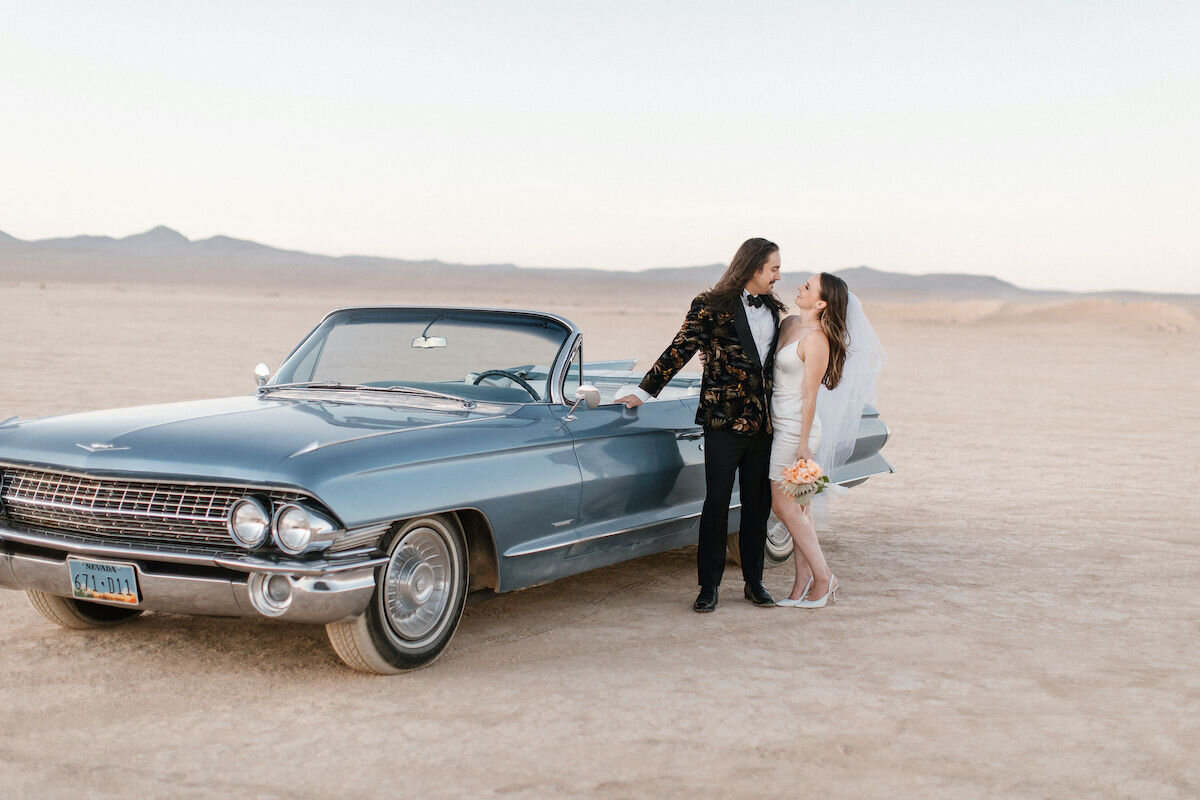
(755, 300)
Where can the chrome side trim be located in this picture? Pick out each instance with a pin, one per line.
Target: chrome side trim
(531, 550)
(514, 552)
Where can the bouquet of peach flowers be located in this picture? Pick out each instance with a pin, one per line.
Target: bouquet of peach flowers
(803, 480)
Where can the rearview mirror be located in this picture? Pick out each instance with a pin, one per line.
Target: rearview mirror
(428, 342)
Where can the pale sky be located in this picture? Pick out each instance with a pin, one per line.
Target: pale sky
(1054, 144)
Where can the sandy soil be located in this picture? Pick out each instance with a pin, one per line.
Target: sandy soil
(1020, 611)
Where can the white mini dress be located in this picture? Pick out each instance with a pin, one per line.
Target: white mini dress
(787, 405)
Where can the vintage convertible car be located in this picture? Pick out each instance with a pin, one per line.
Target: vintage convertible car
(400, 460)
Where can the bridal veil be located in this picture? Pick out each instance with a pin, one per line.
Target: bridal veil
(840, 409)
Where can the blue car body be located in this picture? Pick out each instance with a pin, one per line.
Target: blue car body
(530, 483)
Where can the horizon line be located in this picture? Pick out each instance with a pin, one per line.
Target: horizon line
(630, 270)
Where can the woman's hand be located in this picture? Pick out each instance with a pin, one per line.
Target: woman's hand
(804, 452)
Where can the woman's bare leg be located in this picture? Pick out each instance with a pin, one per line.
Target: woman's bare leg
(808, 555)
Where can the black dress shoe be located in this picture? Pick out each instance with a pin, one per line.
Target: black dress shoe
(706, 600)
(757, 593)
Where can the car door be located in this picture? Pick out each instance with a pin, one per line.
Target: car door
(641, 470)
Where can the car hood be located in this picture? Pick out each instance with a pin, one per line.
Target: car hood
(252, 439)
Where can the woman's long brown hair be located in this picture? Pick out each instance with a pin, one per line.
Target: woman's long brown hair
(833, 324)
(749, 259)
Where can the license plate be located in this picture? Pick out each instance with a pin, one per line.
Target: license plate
(104, 580)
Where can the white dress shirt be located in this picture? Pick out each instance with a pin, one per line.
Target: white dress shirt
(762, 328)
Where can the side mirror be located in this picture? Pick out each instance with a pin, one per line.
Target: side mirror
(262, 372)
(588, 394)
(584, 394)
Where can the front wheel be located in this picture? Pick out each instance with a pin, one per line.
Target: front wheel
(78, 615)
(777, 549)
(418, 601)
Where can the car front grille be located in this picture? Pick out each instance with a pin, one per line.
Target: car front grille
(131, 511)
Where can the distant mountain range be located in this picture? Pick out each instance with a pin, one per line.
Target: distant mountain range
(163, 243)
(165, 255)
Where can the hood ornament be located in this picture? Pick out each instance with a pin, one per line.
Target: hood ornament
(97, 447)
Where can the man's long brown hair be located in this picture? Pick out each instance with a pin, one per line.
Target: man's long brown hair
(833, 324)
(749, 259)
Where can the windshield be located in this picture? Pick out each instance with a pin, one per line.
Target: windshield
(477, 355)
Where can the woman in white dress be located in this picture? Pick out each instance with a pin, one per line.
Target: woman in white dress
(811, 353)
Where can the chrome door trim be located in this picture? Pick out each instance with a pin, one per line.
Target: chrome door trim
(528, 551)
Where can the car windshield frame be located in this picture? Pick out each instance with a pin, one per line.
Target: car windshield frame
(560, 337)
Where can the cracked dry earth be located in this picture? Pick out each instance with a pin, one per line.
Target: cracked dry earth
(1020, 611)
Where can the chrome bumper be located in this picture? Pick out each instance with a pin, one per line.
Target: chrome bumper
(321, 591)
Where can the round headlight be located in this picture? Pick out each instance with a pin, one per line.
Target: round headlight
(297, 526)
(293, 529)
(249, 522)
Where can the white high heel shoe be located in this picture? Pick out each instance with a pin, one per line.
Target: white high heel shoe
(820, 601)
(787, 602)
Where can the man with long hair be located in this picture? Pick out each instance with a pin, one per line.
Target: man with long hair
(733, 326)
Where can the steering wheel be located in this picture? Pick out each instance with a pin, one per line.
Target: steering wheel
(512, 376)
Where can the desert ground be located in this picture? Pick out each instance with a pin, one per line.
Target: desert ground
(1020, 613)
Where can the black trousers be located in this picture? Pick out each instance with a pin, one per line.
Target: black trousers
(749, 456)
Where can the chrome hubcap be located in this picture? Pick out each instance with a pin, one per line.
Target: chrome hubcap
(417, 583)
(779, 541)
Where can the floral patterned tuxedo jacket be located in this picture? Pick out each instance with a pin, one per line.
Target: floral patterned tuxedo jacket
(735, 391)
